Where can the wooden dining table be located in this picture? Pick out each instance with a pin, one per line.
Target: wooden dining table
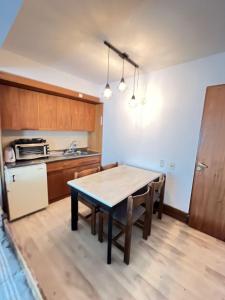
(109, 189)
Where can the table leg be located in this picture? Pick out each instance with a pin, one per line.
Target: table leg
(74, 209)
(109, 251)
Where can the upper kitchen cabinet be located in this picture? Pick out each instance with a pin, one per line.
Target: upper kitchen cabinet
(83, 116)
(27, 108)
(89, 117)
(63, 114)
(19, 108)
(47, 112)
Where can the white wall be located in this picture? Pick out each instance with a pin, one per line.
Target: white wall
(57, 140)
(19, 65)
(166, 127)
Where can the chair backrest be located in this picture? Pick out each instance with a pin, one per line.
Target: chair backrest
(86, 172)
(135, 201)
(109, 166)
(157, 185)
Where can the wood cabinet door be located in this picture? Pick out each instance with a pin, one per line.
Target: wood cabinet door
(89, 116)
(47, 112)
(82, 116)
(19, 108)
(56, 186)
(77, 115)
(28, 109)
(9, 107)
(68, 175)
(63, 114)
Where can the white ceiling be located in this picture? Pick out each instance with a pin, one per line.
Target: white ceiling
(68, 35)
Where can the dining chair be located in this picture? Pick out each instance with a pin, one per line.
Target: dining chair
(125, 216)
(158, 194)
(109, 166)
(156, 200)
(94, 208)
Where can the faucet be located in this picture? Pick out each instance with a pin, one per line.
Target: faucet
(72, 147)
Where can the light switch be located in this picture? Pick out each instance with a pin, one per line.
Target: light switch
(172, 165)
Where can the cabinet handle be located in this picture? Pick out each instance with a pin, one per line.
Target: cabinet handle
(13, 178)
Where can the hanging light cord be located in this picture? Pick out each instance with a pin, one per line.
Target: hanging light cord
(134, 80)
(123, 69)
(108, 67)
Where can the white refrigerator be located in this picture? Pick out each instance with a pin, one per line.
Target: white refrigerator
(27, 189)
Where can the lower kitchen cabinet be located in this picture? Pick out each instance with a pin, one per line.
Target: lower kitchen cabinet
(56, 186)
(62, 171)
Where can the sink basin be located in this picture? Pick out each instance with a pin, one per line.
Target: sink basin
(59, 153)
(78, 152)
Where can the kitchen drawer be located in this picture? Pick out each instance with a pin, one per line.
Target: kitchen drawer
(84, 161)
(55, 166)
(72, 163)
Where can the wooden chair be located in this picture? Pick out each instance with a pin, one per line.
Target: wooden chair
(156, 200)
(109, 166)
(125, 216)
(94, 208)
(158, 194)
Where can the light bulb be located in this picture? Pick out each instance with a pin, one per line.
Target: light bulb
(133, 101)
(107, 92)
(122, 86)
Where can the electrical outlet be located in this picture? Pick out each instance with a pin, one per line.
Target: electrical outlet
(172, 165)
(162, 163)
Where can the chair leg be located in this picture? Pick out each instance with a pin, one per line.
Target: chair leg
(150, 217)
(128, 233)
(93, 221)
(146, 227)
(100, 228)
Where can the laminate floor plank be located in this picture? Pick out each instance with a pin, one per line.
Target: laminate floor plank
(176, 262)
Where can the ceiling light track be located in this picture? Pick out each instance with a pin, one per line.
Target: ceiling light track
(123, 55)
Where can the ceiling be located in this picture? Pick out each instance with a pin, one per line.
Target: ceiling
(68, 35)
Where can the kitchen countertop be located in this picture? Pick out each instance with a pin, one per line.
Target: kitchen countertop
(23, 163)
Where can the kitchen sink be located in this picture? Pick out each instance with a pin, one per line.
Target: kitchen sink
(67, 153)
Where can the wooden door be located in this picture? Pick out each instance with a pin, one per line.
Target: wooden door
(47, 112)
(207, 210)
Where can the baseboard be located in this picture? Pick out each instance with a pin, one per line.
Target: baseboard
(175, 213)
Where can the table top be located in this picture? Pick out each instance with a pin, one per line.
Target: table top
(114, 185)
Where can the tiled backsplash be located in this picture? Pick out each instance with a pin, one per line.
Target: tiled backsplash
(57, 139)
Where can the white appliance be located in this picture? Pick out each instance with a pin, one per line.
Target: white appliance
(27, 189)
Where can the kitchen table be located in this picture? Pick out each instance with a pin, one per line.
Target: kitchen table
(109, 189)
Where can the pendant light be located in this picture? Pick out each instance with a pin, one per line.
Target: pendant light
(133, 101)
(107, 91)
(122, 85)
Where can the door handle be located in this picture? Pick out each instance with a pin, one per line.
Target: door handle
(201, 166)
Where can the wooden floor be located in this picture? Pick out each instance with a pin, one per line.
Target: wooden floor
(177, 262)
